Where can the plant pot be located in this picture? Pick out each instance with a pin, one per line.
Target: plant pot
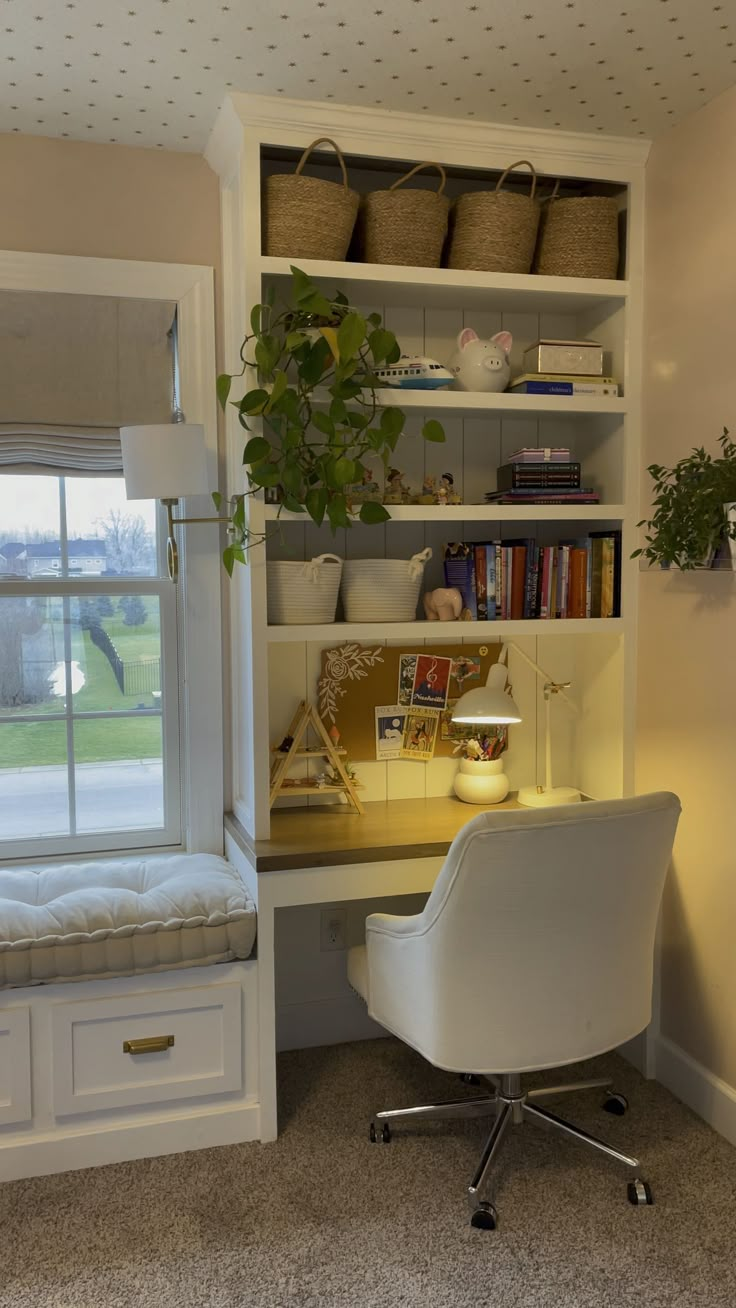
(730, 511)
(481, 781)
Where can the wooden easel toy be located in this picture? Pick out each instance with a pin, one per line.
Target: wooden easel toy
(305, 717)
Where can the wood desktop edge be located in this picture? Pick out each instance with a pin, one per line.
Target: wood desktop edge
(260, 858)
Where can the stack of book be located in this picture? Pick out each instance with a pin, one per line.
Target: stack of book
(518, 578)
(554, 480)
(551, 383)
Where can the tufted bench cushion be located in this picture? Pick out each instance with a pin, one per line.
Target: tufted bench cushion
(81, 921)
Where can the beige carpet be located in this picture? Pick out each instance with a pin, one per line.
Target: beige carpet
(323, 1219)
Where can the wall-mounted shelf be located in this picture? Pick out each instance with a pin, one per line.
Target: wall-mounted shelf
(339, 632)
(440, 287)
(468, 404)
(478, 513)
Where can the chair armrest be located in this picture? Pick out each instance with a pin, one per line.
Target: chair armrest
(388, 924)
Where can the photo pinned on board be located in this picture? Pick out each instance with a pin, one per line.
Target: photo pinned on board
(431, 681)
(390, 729)
(420, 734)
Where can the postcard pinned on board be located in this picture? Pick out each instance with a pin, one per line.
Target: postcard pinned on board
(420, 734)
(390, 727)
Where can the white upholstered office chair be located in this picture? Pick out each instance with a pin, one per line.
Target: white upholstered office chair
(534, 949)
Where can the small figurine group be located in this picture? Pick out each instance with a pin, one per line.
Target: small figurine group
(397, 492)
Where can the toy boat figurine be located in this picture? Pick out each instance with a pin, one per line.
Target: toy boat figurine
(415, 372)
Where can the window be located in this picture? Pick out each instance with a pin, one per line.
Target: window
(89, 718)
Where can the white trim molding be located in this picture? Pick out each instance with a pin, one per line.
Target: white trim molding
(708, 1096)
(191, 286)
(416, 136)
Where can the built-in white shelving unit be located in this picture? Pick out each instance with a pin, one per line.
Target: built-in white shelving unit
(273, 667)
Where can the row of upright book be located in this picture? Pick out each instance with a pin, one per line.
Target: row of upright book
(519, 578)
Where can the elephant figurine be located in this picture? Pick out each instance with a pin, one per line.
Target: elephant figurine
(481, 365)
(443, 605)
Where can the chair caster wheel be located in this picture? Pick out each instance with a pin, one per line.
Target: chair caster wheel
(615, 1103)
(385, 1135)
(639, 1193)
(485, 1218)
(469, 1078)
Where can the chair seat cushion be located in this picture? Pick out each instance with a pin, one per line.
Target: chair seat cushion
(78, 921)
(358, 970)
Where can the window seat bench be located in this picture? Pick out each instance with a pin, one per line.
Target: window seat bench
(80, 921)
(128, 1011)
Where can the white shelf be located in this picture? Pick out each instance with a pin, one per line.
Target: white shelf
(339, 632)
(437, 287)
(473, 404)
(479, 513)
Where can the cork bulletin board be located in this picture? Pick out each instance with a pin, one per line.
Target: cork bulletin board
(355, 679)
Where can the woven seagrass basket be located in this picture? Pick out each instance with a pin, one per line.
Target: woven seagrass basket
(578, 237)
(306, 217)
(405, 227)
(495, 231)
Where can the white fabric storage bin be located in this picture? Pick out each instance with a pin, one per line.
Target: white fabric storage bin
(383, 590)
(303, 592)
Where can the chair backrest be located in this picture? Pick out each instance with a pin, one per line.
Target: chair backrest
(540, 932)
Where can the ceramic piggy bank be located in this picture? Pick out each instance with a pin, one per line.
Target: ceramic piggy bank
(443, 605)
(481, 365)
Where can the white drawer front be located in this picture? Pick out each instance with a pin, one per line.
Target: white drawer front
(200, 1030)
(15, 1066)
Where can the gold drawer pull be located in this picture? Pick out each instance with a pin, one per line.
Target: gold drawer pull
(148, 1045)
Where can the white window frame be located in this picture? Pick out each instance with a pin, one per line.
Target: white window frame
(191, 288)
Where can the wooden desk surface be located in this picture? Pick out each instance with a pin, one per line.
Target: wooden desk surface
(329, 835)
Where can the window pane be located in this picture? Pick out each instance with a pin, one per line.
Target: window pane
(107, 534)
(32, 676)
(116, 653)
(119, 774)
(29, 526)
(33, 780)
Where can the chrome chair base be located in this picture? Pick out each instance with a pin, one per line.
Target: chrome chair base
(509, 1105)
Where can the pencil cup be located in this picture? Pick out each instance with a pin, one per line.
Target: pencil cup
(481, 781)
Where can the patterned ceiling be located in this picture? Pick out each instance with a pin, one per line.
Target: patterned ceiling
(154, 72)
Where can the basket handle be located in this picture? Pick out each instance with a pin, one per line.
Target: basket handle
(520, 163)
(417, 169)
(311, 568)
(417, 562)
(553, 193)
(324, 140)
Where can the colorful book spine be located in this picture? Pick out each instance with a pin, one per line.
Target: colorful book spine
(460, 572)
(564, 388)
(479, 554)
(490, 551)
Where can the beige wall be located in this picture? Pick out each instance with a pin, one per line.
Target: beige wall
(687, 666)
(70, 197)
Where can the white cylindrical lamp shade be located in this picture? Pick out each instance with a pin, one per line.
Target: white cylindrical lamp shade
(164, 461)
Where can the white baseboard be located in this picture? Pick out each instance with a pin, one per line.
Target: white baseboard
(708, 1096)
(324, 1022)
(70, 1148)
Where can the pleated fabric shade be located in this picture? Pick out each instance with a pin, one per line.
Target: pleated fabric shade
(73, 370)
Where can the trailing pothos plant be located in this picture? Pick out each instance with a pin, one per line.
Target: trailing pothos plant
(315, 401)
(689, 518)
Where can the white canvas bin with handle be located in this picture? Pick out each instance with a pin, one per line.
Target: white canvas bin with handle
(303, 592)
(383, 590)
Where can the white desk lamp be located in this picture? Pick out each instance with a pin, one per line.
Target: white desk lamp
(493, 704)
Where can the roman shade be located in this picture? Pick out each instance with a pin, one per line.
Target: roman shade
(73, 370)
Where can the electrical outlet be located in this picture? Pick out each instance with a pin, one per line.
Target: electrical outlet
(333, 926)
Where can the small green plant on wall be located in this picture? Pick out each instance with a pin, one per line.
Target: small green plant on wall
(317, 407)
(690, 517)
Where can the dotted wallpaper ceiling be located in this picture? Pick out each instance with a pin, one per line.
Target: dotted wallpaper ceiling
(154, 72)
